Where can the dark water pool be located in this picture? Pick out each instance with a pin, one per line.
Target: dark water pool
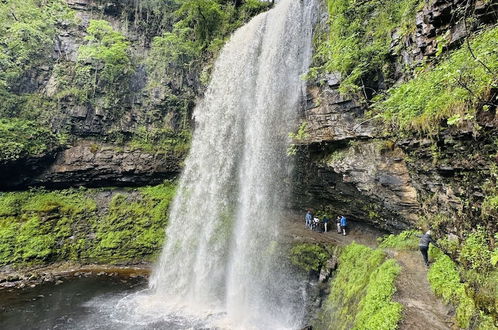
(64, 306)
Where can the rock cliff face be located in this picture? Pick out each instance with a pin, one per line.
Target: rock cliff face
(349, 164)
(91, 164)
(97, 152)
(441, 25)
(347, 167)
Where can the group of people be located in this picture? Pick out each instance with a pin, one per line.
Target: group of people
(314, 223)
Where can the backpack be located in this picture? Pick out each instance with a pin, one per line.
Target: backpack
(344, 222)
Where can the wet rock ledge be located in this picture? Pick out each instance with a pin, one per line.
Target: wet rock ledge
(58, 273)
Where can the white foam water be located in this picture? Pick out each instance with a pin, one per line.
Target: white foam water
(221, 249)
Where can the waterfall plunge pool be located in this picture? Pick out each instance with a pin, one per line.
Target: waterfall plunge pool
(86, 303)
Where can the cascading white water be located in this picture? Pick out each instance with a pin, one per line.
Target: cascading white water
(222, 239)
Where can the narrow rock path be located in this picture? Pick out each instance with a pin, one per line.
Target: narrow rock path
(422, 310)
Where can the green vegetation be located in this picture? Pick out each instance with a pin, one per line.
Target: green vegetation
(23, 138)
(104, 63)
(107, 74)
(185, 52)
(361, 292)
(27, 31)
(407, 240)
(358, 43)
(102, 71)
(132, 229)
(161, 140)
(309, 257)
(39, 226)
(299, 137)
(446, 283)
(450, 92)
(27, 38)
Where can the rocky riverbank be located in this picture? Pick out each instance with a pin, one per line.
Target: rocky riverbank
(57, 273)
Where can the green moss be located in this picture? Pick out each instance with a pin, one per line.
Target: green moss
(361, 292)
(309, 257)
(41, 226)
(133, 228)
(377, 310)
(453, 90)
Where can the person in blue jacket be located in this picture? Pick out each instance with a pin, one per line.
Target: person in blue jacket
(344, 225)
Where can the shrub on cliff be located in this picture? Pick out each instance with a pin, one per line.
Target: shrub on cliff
(450, 93)
(309, 257)
(22, 138)
(359, 38)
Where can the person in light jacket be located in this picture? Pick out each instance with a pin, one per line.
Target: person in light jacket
(308, 217)
(338, 224)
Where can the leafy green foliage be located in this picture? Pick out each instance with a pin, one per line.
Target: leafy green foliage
(22, 138)
(27, 30)
(41, 226)
(204, 17)
(108, 48)
(361, 292)
(475, 253)
(179, 51)
(309, 256)
(298, 137)
(407, 240)
(27, 37)
(359, 40)
(103, 63)
(453, 90)
(465, 275)
(446, 283)
(181, 57)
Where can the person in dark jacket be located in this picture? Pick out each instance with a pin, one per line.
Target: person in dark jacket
(325, 221)
(423, 244)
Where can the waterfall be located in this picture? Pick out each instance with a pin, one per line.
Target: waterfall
(221, 250)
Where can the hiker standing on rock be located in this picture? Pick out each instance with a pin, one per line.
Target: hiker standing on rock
(325, 221)
(309, 218)
(338, 224)
(423, 244)
(344, 225)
